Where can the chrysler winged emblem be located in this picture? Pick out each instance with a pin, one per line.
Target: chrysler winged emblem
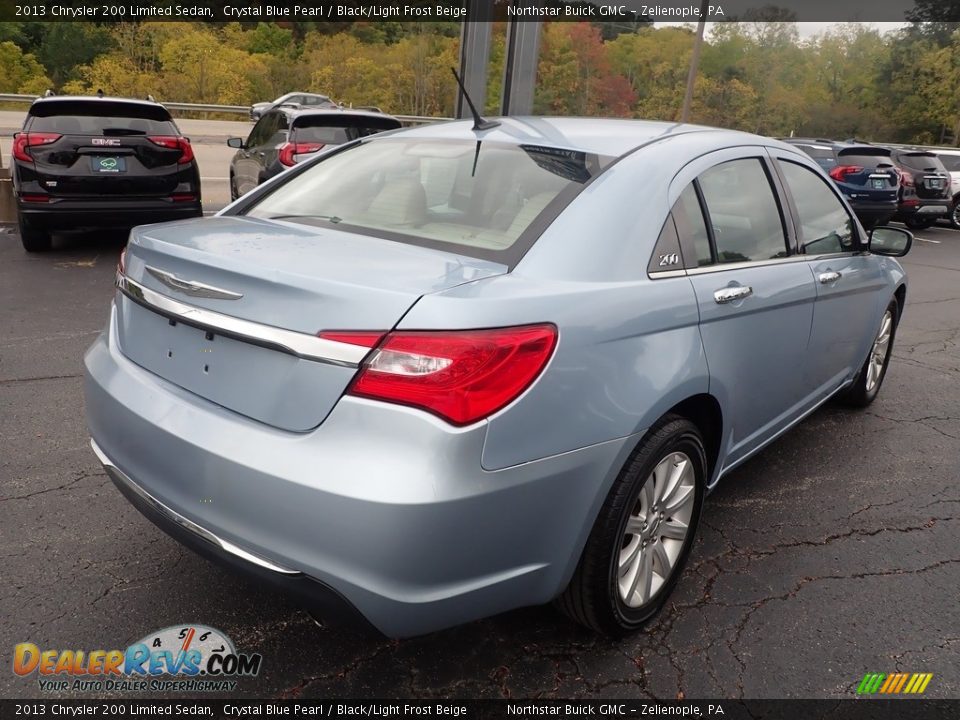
(193, 288)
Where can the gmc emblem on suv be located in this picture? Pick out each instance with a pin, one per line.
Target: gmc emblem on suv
(112, 142)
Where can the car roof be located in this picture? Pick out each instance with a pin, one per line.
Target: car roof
(95, 98)
(298, 112)
(603, 136)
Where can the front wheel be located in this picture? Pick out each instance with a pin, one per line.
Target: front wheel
(643, 533)
(867, 385)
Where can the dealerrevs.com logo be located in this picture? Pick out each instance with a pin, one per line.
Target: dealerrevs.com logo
(180, 658)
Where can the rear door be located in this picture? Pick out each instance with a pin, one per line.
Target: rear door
(848, 281)
(930, 177)
(246, 165)
(866, 174)
(755, 298)
(105, 148)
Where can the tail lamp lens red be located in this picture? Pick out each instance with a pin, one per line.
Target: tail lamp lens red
(23, 141)
(461, 376)
(172, 142)
(289, 150)
(840, 172)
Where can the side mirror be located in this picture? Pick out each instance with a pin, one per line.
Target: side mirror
(235, 143)
(890, 241)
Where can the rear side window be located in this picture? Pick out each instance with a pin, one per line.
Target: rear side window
(484, 199)
(93, 117)
(825, 226)
(337, 130)
(743, 211)
(819, 153)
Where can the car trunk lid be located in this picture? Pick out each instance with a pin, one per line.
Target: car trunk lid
(252, 281)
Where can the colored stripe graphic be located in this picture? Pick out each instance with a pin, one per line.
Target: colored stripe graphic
(894, 683)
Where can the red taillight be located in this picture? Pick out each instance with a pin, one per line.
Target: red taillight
(840, 172)
(173, 142)
(462, 376)
(35, 198)
(906, 179)
(183, 197)
(122, 262)
(288, 150)
(27, 140)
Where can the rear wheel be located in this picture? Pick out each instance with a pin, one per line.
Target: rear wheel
(955, 213)
(643, 534)
(867, 385)
(33, 238)
(919, 223)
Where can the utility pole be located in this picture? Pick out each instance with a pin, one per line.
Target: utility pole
(694, 61)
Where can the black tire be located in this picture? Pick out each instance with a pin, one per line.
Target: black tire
(955, 213)
(233, 188)
(593, 597)
(859, 394)
(33, 238)
(919, 223)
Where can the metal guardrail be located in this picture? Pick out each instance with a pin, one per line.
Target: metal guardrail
(235, 109)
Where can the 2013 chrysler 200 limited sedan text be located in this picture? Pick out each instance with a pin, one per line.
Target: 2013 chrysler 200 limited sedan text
(431, 376)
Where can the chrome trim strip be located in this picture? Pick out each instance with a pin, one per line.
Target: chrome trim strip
(800, 257)
(190, 287)
(122, 479)
(302, 345)
(657, 274)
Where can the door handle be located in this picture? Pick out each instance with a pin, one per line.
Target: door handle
(829, 277)
(730, 294)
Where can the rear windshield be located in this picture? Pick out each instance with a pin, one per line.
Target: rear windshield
(869, 160)
(921, 161)
(337, 130)
(950, 162)
(484, 199)
(93, 117)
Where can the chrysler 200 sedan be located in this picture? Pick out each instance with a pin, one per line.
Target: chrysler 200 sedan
(428, 377)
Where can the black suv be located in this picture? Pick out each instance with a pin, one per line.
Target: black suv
(285, 136)
(94, 162)
(924, 188)
(864, 173)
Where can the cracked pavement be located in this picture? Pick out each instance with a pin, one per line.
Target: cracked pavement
(833, 553)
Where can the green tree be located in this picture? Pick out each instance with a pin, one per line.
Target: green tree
(20, 72)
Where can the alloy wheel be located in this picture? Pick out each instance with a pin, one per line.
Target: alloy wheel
(656, 530)
(878, 354)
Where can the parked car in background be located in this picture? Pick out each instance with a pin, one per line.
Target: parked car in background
(449, 371)
(94, 162)
(285, 136)
(924, 188)
(864, 173)
(293, 99)
(950, 157)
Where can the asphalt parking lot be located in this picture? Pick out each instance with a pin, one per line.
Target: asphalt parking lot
(833, 553)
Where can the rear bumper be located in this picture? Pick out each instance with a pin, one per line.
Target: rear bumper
(321, 599)
(388, 507)
(926, 208)
(874, 212)
(77, 214)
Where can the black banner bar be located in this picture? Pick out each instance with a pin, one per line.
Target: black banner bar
(112, 11)
(851, 709)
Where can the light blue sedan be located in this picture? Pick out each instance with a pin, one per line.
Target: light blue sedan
(441, 373)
